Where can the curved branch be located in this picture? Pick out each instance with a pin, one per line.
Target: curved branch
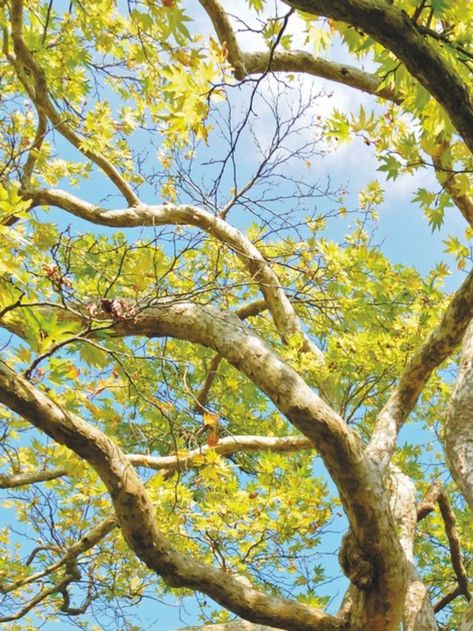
(39, 95)
(439, 345)
(137, 519)
(449, 181)
(359, 481)
(303, 62)
(246, 311)
(396, 31)
(85, 543)
(282, 311)
(298, 61)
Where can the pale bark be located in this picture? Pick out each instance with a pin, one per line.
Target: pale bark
(418, 612)
(360, 483)
(137, 517)
(248, 63)
(358, 480)
(439, 345)
(23, 479)
(225, 447)
(282, 311)
(458, 435)
(397, 32)
(299, 61)
(466, 623)
(449, 181)
(239, 625)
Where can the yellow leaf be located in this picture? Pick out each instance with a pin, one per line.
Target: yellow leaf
(210, 420)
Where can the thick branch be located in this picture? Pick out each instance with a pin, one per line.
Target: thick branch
(137, 518)
(281, 309)
(418, 611)
(298, 61)
(395, 30)
(239, 625)
(449, 181)
(436, 348)
(458, 436)
(246, 311)
(359, 482)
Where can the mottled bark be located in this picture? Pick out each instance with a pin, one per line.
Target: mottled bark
(239, 625)
(23, 479)
(138, 520)
(359, 481)
(439, 345)
(418, 611)
(225, 447)
(458, 425)
(396, 31)
(260, 270)
(299, 61)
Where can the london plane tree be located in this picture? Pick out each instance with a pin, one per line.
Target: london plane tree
(205, 370)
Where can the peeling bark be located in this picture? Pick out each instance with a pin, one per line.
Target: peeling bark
(394, 29)
(137, 518)
(418, 611)
(458, 434)
(359, 481)
(439, 345)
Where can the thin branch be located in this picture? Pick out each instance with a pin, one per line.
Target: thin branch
(22, 479)
(35, 148)
(201, 398)
(246, 311)
(39, 95)
(447, 599)
(392, 27)
(137, 516)
(245, 64)
(279, 305)
(43, 594)
(437, 495)
(88, 540)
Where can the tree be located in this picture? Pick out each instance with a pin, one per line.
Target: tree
(169, 394)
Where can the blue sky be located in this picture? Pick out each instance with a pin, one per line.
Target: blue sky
(402, 232)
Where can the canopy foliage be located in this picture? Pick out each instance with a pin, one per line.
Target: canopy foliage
(207, 358)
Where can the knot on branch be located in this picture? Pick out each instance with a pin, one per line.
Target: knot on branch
(354, 562)
(117, 309)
